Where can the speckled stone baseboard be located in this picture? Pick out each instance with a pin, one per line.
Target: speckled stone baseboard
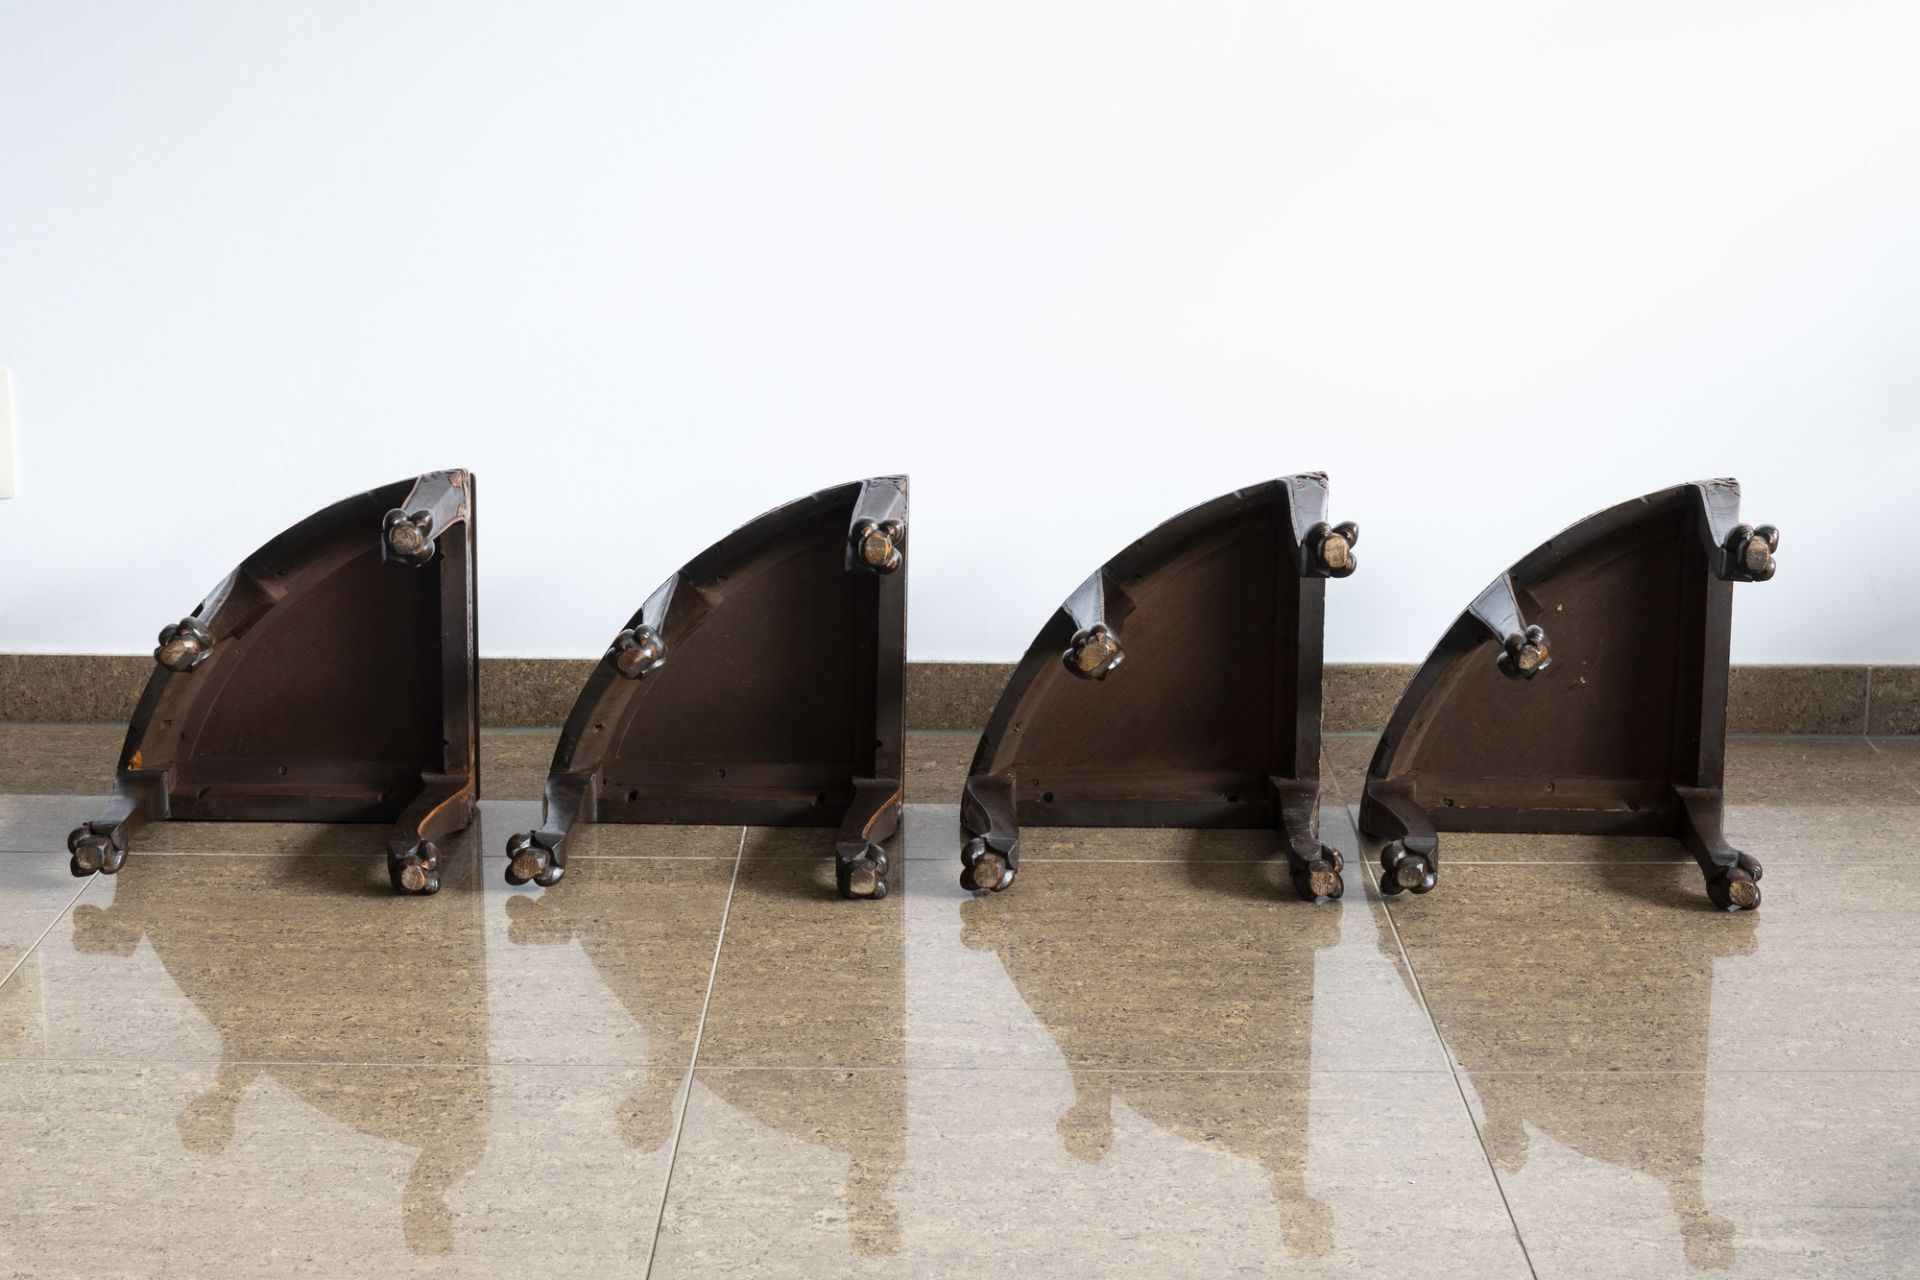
(71, 688)
(100, 688)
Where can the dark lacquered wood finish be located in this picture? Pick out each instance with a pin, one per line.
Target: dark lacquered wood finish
(1179, 686)
(1585, 690)
(760, 685)
(332, 677)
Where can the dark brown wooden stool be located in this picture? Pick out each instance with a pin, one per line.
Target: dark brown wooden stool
(1585, 690)
(760, 685)
(1178, 687)
(330, 678)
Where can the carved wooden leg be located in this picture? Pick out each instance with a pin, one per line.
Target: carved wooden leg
(1733, 877)
(1315, 867)
(444, 806)
(991, 857)
(1410, 859)
(873, 816)
(101, 845)
(541, 856)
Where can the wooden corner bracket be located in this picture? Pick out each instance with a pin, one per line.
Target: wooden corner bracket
(1585, 690)
(1178, 687)
(330, 678)
(760, 685)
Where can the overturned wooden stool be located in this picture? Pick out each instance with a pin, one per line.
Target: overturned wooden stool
(330, 678)
(760, 685)
(1585, 690)
(1214, 718)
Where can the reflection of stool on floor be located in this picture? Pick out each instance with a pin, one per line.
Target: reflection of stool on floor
(293, 976)
(1644, 1009)
(1655, 1124)
(864, 1117)
(1116, 991)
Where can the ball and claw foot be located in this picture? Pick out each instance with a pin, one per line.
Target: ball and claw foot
(1526, 654)
(1753, 551)
(1093, 652)
(1736, 888)
(1333, 548)
(865, 876)
(986, 871)
(530, 862)
(878, 545)
(94, 852)
(1321, 877)
(183, 646)
(418, 871)
(638, 651)
(1404, 872)
(408, 538)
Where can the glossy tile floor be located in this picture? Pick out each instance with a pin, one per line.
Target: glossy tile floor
(244, 1056)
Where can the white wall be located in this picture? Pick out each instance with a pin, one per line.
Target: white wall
(652, 268)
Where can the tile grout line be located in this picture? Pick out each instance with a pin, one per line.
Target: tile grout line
(693, 1061)
(42, 935)
(483, 1064)
(1898, 770)
(1499, 1187)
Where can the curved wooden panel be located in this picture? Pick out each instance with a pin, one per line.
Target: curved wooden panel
(329, 678)
(760, 684)
(1583, 691)
(1179, 686)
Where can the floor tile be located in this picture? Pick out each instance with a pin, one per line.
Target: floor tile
(816, 843)
(930, 832)
(1742, 1174)
(39, 824)
(291, 959)
(506, 818)
(1467, 847)
(1587, 967)
(223, 1169)
(805, 976)
(1813, 799)
(37, 890)
(1057, 1173)
(1904, 755)
(933, 831)
(1147, 1057)
(1145, 965)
